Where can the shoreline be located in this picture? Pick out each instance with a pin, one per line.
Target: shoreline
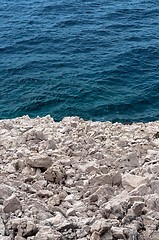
(72, 117)
(77, 179)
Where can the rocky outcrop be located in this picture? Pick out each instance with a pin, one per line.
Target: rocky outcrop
(78, 179)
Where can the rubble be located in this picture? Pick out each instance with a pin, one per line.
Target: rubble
(11, 204)
(78, 179)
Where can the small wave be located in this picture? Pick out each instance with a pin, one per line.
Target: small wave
(38, 105)
(95, 59)
(6, 49)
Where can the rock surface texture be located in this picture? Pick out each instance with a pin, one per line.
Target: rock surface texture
(78, 179)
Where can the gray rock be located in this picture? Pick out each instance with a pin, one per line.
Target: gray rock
(101, 180)
(5, 191)
(93, 198)
(2, 227)
(51, 144)
(47, 233)
(55, 174)
(31, 229)
(138, 208)
(40, 162)
(11, 204)
(117, 178)
(108, 235)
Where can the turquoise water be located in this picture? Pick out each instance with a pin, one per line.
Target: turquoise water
(95, 59)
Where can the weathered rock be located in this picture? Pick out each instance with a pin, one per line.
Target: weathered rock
(67, 226)
(79, 206)
(40, 162)
(117, 178)
(130, 181)
(101, 226)
(93, 198)
(5, 191)
(83, 232)
(71, 212)
(30, 230)
(19, 238)
(108, 235)
(39, 185)
(117, 210)
(78, 179)
(44, 193)
(47, 233)
(141, 190)
(56, 220)
(55, 174)
(152, 202)
(118, 232)
(105, 210)
(51, 144)
(11, 204)
(155, 186)
(11, 169)
(155, 235)
(131, 160)
(133, 199)
(95, 236)
(2, 227)
(129, 217)
(138, 208)
(101, 180)
(5, 238)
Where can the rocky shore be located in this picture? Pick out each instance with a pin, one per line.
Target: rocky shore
(78, 179)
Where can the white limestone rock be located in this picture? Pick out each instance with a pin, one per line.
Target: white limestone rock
(118, 232)
(47, 233)
(101, 226)
(95, 236)
(56, 220)
(141, 190)
(44, 193)
(6, 191)
(10, 168)
(19, 238)
(78, 179)
(6, 238)
(131, 181)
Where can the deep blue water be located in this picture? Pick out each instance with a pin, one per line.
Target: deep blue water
(98, 59)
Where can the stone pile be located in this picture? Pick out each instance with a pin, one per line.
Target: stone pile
(78, 179)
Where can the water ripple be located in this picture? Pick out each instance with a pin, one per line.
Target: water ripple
(95, 59)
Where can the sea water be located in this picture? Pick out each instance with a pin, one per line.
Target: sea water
(97, 59)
